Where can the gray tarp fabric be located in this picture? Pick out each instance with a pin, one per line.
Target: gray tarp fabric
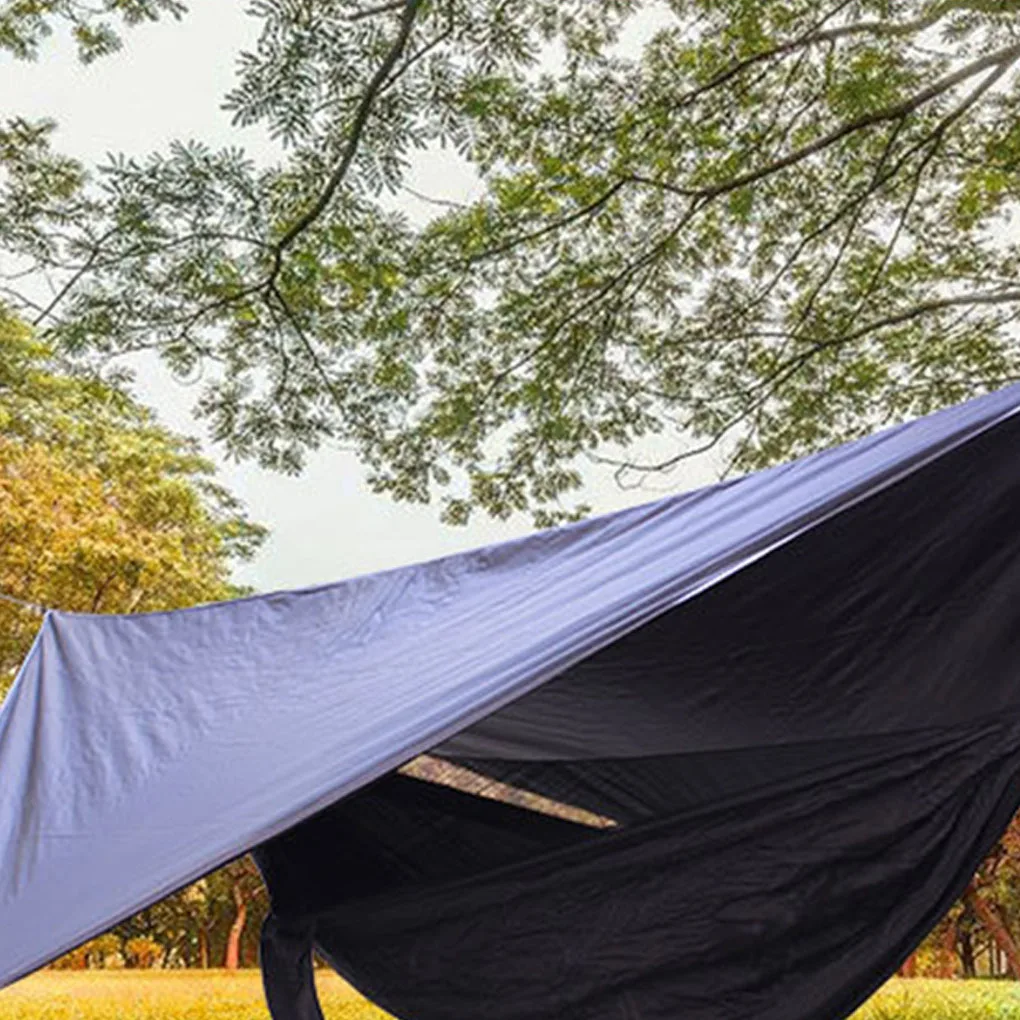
(825, 736)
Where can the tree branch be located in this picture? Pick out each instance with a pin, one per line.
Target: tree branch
(1000, 60)
(274, 292)
(577, 214)
(892, 28)
(930, 142)
(924, 308)
(267, 287)
(815, 35)
(361, 115)
(783, 49)
(420, 53)
(620, 277)
(767, 387)
(794, 364)
(75, 277)
(371, 12)
(851, 230)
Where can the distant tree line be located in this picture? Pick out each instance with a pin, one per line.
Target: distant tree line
(214, 922)
(980, 935)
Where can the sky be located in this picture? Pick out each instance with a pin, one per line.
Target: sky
(166, 84)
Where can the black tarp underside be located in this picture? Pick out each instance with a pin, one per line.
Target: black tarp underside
(786, 829)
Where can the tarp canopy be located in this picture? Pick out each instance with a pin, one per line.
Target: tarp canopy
(782, 713)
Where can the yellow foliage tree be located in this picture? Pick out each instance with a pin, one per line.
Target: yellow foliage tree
(101, 509)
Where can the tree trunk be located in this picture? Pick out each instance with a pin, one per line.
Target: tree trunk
(232, 957)
(993, 924)
(966, 943)
(947, 952)
(203, 948)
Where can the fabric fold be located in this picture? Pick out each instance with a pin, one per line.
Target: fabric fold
(285, 956)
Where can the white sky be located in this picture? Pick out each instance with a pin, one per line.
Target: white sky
(167, 83)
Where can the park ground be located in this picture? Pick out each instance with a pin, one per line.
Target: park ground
(225, 995)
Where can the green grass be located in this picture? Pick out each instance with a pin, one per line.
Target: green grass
(219, 995)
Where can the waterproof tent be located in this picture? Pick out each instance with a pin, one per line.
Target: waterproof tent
(757, 737)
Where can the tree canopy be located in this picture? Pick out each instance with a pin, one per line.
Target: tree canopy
(103, 510)
(26, 24)
(765, 228)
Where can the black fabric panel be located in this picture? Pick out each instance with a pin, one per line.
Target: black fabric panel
(793, 902)
(401, 833)
(903, 608)
(807, 763)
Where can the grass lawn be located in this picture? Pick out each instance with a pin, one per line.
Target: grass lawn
(163, 995)
(926, 999)
(219, 995)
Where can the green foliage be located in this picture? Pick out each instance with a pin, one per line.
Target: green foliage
(24, 24)
(772, 227)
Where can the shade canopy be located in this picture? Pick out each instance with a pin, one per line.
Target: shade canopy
(783, 700)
